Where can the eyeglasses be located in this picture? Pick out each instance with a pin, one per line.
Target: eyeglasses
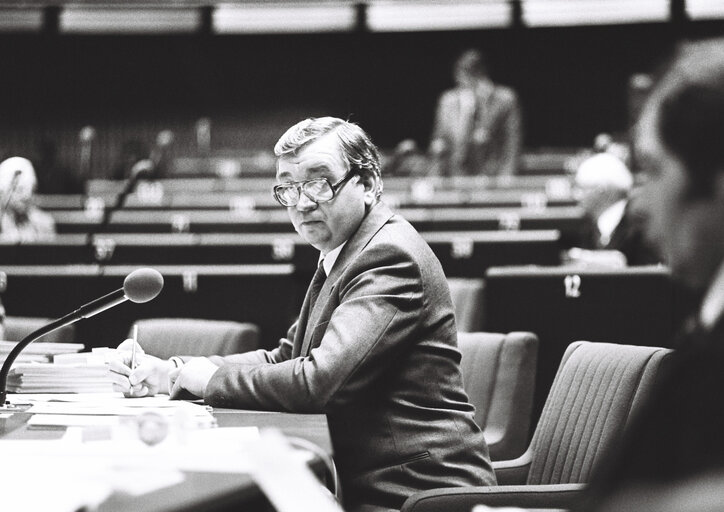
(319, 190)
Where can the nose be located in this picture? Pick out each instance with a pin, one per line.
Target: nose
(305, 204)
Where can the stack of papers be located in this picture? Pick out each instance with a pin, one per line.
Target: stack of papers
(38, 351)
(59, 378)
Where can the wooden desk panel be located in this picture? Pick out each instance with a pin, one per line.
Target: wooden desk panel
(634, 305)
(462, 253)
(263, 200)
(268, 295)
(568, 220)
(552, 182)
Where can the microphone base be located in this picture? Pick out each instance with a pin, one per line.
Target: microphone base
(16, 407)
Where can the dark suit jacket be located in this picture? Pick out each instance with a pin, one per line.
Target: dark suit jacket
(378, 355)
(680, 432)
(481, 138)
(628, 237)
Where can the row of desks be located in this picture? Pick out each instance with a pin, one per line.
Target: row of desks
(554, 183)
(568, 220)
(462, 253)
(563, 304)
(269, 296)
(152, 197)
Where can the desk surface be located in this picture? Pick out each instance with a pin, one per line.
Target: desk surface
(199, 491)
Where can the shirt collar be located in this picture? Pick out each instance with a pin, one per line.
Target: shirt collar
(712, 306)
(609, 219)
(330, 258)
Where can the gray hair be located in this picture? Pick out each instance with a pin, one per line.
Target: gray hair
(358, 151)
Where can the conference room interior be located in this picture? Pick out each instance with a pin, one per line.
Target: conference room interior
(202, 94)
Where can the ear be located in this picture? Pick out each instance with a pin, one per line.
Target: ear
(371, 183)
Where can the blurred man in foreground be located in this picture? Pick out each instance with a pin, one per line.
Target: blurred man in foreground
(678, 437)
(375, 346)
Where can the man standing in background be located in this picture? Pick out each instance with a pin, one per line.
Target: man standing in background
(478, 129)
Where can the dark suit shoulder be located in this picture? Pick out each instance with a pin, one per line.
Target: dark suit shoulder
(402, 236)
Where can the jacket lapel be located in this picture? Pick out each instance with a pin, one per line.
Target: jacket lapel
(371, 224)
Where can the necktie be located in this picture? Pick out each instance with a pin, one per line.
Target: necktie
(316, 285)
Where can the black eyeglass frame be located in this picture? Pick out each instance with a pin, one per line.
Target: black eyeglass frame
(300, 188)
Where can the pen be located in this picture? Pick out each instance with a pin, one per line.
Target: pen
(133, 349)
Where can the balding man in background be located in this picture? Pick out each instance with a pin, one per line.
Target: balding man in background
(605, 190)
(20, 219)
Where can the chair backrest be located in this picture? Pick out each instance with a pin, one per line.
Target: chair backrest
(595, 392)
(499, 378)
(567, 303)
(467, 299)
(166, 337)
(18, 327)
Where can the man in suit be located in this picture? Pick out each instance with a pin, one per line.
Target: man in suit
(477, 127)
(677, 441)
(374, 347)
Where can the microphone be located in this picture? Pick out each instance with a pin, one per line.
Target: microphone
(141, 170)
(203, 136)
(140, 286)
(160, 153)
(86, 136)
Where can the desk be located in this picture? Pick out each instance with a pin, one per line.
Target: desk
(201, 491)
(550, 182)
(263, 200)
(462, 253)
(568, 220)
(247, 293)
(632, 305)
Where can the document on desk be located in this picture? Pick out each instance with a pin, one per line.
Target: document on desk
(77, 476)
(38, 351)
(104, 413)
(119, 407)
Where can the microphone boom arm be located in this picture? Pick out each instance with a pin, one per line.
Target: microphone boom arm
(139, 286)
(57, 324)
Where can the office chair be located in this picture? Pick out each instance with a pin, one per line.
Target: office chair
(166, 337)
(467, 299)
(499, 378)
(598, 388)
(18, 327)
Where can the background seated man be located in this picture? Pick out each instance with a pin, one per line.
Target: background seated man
(605, 187)
(375, 345)
(20, 218)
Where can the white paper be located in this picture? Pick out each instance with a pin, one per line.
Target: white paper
(70, 420)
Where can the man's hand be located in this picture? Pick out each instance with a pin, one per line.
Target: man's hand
(147, 379)
(192, 377)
